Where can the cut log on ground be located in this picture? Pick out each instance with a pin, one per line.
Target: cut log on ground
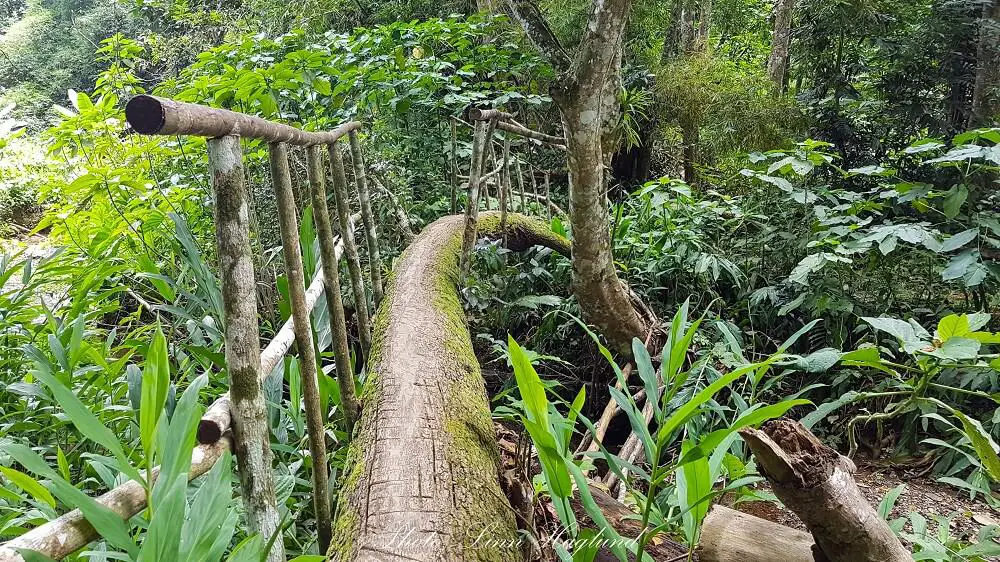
(422, 482)
(733, 536)
(817, 483)
(626, 522)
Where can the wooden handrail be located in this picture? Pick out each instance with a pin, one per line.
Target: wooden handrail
(152, 115)
(70, 532)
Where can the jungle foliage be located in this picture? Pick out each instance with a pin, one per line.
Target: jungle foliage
(824, 247)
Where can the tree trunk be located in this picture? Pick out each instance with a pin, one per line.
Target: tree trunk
(986, 92)
(817, 484)
(343, 200)
(732, 536)
(690, 137)
(777, 63)
(422, 480)
(334, 299)
(364, 198)
(587, 96)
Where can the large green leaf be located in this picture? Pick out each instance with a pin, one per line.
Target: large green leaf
(682, 414)
(982, 442)
(207, 515)
(29, 485)
(155, 381)
(752, 417)
(86, 422)
(107, 523)
(694, 483)
(536, 405)
(177, 440)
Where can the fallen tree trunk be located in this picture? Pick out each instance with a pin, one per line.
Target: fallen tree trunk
(733, 536)
(817, 483)
(422, 482)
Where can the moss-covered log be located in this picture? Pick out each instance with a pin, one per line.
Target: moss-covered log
(422, 480)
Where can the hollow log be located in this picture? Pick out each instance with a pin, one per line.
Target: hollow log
(817, 483)
(422, 483)
(733, 536)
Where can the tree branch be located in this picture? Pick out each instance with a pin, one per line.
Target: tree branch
(530, 18)
(599, 50)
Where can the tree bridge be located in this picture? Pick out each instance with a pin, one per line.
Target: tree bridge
(422, 478)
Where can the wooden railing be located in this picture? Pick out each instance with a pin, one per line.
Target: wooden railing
(237, 420)
(243, 410)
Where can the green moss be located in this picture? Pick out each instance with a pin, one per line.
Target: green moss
(346, 518)
(471, 441)
(522, 229)
(344, 528)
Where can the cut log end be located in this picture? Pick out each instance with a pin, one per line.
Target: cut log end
(215, 422)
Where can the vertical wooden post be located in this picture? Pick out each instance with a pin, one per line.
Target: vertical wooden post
(361, 179)
(472, 207)
(454, 166)
(288, 224)
(334, 301)
(350, 247)
(548, 196)
(520, 183)
(504, 189)
(534, 184)
(251, 435)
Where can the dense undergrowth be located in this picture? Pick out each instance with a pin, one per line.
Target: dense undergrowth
(850, 282)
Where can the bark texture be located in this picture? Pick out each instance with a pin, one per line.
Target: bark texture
(315, 417)
(732, 536)
(334, 299)
(472, 205)
(151, 115)
(422, 483)
(350, 247)
(817, 484)
(236, 275)
(364, 198)
(777, 63)
(986, 92)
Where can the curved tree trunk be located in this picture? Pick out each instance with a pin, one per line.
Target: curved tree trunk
(818, 484)
(588, 98)
(423, 468)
